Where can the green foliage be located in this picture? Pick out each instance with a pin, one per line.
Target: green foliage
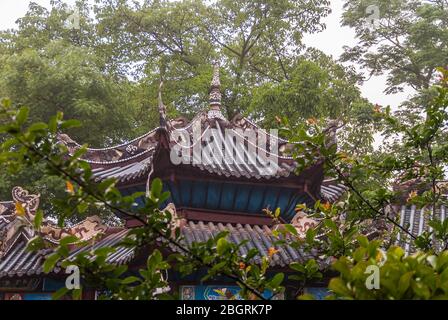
(409, 43)
(376, 185)
(68, 79)
(418, 276)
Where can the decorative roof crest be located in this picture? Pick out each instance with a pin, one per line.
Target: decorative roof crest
(162, 107)
(215, 90)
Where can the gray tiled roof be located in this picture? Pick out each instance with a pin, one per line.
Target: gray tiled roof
(258, 237)
(127, 172)
(18, 261)
(251, 162)
(331, 190)
(416, 222)
(248, 162)
(6, 210)
(122, 254)
(131, 160)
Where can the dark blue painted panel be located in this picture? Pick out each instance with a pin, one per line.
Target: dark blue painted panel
(213, 196)
(283, 201)
(256, 200)
(199, 194)
(231, 197)
(175, 196)
(290, 212)
(270, 198)
(37, 296)
(227, 196)
(52, 285)
(242, 198)
(185, 189)
(215, 292)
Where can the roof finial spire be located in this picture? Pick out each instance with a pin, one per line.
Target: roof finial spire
(162, 108)
(215, 90)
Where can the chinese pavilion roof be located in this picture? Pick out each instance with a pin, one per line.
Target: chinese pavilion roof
(133, 162)
(133, 159)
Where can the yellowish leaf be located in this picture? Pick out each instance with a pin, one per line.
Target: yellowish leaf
(377, 108)
(412, 195)
(272, 251)
(69, 187)
(312, 121)
(20, 210)
(326, 206)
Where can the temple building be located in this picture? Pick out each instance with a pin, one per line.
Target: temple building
(208, 196)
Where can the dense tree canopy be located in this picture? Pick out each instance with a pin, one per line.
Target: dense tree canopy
(107, 73)
(409, 42)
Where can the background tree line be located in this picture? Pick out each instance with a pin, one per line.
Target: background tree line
(106, 75)
(107, 72)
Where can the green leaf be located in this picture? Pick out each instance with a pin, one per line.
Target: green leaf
(338, 286)
(35, 244)
(330, 224)
(39, 126)
(38, 218)
(82, 207)
(277, 213)
(156, 187)
(103, 252)
(120, 270)
(22, 115)
(297, 267)
(130, 280)
(53, 124)
(68, 240)
(277, 280)
(310, 235)
(404, 282)
(50, 262)
(291, 229)
(60, 293)
(222, 245)
(68, 124)
(77, 294)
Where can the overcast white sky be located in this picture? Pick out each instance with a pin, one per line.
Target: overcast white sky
(331, 41)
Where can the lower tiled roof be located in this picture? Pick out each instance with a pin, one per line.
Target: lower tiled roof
(121, 255)
(258, 237)
(20, 262)
(331, 190)
(416, 220)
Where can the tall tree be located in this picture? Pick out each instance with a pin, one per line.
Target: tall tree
(256, 42)
(409, 41)
(68, 79)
